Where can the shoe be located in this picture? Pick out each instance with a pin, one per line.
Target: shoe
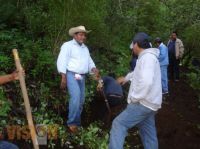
(165, 93)
(73, 128)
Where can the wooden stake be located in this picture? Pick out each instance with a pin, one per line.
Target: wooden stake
(26, 99)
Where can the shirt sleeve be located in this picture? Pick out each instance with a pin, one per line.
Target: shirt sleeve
(91, 64)
(181, 49)
(63, 59)
(129, 76)
(146, 79)
(163, 53)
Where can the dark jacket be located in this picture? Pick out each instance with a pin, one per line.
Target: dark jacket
(111, 87)
(133, 62)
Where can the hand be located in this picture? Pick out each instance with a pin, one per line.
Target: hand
(95, 71)
(100, 86)
(121, 80)
(15, 75)
(96, 74)
(97, 77)
(63, 83)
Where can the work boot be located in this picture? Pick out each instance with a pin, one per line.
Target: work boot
(73, 128)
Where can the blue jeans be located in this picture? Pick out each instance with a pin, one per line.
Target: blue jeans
(164, 78)
(134, 115)
(7, 145)
(76, 89)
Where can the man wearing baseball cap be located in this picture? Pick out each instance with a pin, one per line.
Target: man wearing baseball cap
(74, 61)
(144, 98)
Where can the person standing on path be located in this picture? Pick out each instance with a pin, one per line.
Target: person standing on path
(144, 98)
(164, 62)
(73, 63)
(176, 51)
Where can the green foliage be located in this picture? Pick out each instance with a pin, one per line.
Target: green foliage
(194, 78)
(93, 137)
(4, 104)
(7, 10)
(192, 38)
(38, 28)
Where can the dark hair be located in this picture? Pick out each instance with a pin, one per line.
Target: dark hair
(112, 74)
(158, 40)
(174, 32)
(143, 44)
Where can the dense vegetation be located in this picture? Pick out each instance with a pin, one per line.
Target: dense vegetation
(39, 27)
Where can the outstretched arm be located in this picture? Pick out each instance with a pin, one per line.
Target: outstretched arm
(7, 78)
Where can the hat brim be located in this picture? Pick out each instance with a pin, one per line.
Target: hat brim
(73, 31)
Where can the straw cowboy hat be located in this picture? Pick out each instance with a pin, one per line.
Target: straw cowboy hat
(78, 29)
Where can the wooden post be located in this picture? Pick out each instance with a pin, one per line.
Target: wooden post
(26, 99)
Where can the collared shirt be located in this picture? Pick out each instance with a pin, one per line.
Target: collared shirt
(74, 57)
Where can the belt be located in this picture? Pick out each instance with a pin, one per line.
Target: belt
(75, 72)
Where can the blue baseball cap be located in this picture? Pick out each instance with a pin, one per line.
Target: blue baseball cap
(140, 37)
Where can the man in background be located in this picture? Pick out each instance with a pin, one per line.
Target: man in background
(164, 62)
(176, 51)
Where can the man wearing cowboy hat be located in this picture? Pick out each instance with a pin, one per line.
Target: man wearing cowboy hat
(73, 63)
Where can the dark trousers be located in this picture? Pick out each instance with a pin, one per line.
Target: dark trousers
(173, 68)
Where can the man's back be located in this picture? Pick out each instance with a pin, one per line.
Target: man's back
(163, 58)
(111, 87)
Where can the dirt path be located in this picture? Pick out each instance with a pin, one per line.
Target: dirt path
(178, 122)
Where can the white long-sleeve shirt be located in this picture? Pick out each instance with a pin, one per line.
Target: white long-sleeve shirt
(74, 57)
(145, 80)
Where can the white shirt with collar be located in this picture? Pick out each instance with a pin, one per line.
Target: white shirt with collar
(74, 57)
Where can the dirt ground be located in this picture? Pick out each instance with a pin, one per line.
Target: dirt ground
(178, 121)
